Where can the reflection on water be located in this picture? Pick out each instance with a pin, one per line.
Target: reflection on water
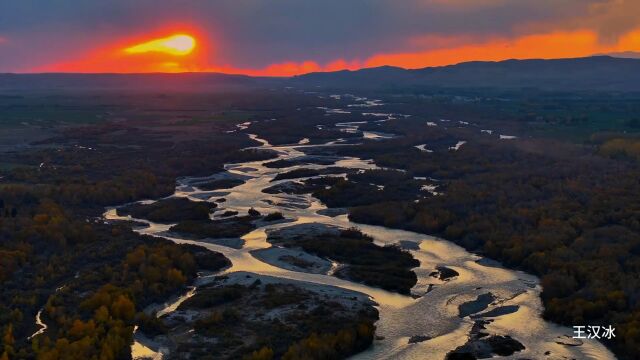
(40, 323)
(432, 311)
(142, 348)
(174, 305)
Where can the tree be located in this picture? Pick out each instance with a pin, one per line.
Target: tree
(8, 340)
(265, 353)
(123, 308)
(175, 277)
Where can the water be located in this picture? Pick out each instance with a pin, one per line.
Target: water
(432, 311)
(40, 323)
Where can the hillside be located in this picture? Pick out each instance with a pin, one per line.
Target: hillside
(591, 73)
(596, 73)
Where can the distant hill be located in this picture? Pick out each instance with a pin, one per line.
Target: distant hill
(599, 73)
(150, 81)
(590, 73)
(378, 76)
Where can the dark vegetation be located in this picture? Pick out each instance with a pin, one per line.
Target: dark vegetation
(269, 321)
(228, 213)
(296, 129)
(482, 345)
(274, 216)
(306, 172)
(169, 210)
(575, 225)
(308, 186)
(221, 228)
(369, 187)
(563, 205)
(93, 279)
(444, 273)
(566, 212)
(623, 148)
(386, 267)
(285, 163)
(278, 164)
(219, 184)
(579, 117)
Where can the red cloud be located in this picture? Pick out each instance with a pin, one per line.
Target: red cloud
(547, 45)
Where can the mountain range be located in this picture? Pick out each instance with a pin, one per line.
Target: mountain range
(595, 73)
(589, 73)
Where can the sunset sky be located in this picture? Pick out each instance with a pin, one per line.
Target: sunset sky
(287, 37)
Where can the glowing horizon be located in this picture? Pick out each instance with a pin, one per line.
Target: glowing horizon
(292, 37)
(175, 53)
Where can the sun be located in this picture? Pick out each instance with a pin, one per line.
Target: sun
(178, 44)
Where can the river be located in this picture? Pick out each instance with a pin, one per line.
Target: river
(432, 311)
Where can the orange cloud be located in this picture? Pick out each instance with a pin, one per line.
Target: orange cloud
(288, 68)
(541, 46)
(179, 53)
(630, 41)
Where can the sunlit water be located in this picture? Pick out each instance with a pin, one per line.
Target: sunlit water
(39, 323)
(432, 311)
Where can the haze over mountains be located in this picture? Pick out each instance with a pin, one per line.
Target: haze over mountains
(142, 82)
(596, 73)
(622, 54)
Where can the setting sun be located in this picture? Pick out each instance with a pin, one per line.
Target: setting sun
(179, 44)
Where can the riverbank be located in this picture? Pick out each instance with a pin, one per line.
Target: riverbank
(432, 311)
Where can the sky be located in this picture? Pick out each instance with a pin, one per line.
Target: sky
(289, 37)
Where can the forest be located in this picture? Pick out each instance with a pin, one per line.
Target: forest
(90, 280)
(567, 213)
(235, 320)
(562, 202)
(387, 267)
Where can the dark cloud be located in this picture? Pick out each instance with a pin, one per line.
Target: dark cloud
(613, 18)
